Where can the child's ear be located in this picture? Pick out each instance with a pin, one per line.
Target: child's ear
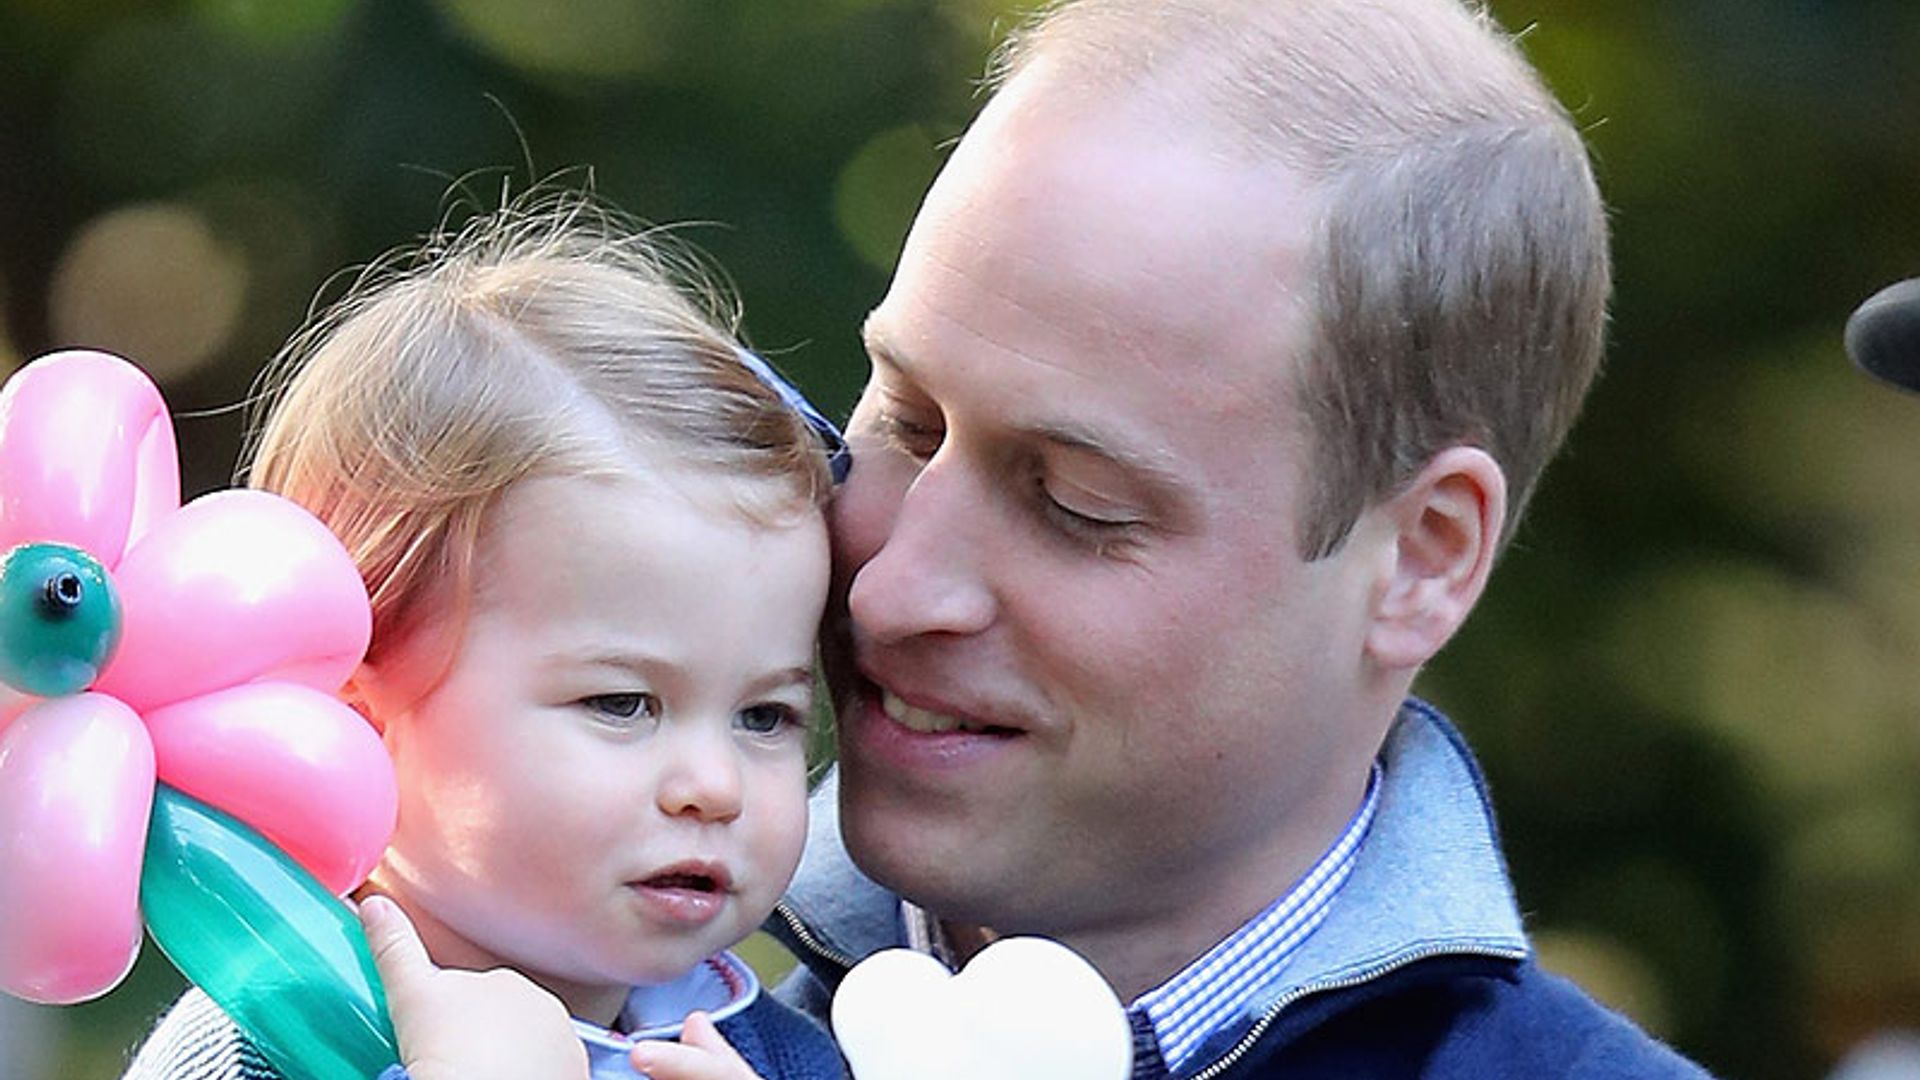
(1446, 532)
(356, 694)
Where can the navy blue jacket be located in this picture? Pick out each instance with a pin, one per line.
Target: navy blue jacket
(195, 1040)
(1440, 1021)
(1421, 970)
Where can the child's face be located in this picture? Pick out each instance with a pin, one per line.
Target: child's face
(610, 783)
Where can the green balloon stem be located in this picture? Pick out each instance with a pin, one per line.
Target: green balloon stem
(284, 958)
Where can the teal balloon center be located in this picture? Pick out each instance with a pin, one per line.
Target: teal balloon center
(59, 619)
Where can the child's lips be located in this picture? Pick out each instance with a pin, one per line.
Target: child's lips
(688, 892)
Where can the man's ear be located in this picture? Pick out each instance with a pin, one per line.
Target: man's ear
(1446, 531)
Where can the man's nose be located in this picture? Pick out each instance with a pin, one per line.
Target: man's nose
(934, 539)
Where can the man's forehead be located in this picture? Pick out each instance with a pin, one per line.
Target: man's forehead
(1106, 235)
(1066, 359)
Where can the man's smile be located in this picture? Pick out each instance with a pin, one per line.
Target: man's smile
(927, 721)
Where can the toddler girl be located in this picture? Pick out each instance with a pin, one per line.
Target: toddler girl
(591, 529)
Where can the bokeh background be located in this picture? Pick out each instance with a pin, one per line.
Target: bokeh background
(1695, 682)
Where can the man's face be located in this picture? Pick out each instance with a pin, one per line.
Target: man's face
(1085, 681)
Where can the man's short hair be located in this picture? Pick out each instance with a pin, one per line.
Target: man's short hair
(1460, 272)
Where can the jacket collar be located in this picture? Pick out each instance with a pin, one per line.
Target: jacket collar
(721, 986)
(1429, 881)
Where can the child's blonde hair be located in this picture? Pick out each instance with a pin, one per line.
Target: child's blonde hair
(545, 338)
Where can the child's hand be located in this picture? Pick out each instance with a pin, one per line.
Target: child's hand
(701, 1054)
(467, 1025)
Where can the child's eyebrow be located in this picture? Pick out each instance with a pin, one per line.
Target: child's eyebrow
(647, 666)
(638, 663)
(776, 680)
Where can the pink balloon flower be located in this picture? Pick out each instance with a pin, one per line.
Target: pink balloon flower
(241, 616)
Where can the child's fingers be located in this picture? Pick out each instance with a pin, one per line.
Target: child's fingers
(466, 1025)
(397, 950)
(700, 1031)
(406, 972)
(701, 1054)
(677, 1061)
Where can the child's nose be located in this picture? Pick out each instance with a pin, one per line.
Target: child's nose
(702, 780)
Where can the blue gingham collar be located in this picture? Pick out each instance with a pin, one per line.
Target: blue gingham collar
(1215, 990)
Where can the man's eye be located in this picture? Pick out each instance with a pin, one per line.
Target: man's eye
(911, 437)
(769, 718)
(624, 708)
(1104, 526)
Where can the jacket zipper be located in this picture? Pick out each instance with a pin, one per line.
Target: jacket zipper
(1232, 1057)
(813, 944)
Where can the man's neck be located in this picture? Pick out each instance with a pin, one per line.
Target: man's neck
(1142, 952)
(1133, 961)
(1130, 964)
(966, 939)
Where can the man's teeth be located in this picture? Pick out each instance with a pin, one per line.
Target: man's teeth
(922, 720)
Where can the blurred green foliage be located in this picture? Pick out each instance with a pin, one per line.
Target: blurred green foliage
(1695, 681)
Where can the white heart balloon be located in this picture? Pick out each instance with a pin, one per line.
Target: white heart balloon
(890, 1017)
(1025, 1008)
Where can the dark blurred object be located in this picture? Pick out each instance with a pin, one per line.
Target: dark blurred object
(1883, 334)
(25, 1036)
(1888, 1055)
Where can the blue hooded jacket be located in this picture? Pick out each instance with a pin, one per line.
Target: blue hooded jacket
(1421, 970)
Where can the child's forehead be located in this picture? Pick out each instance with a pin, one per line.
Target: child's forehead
(548, 537)
(577, 566)
(594, 497)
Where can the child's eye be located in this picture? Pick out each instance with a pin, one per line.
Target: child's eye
(769, 718)
(624, 708)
